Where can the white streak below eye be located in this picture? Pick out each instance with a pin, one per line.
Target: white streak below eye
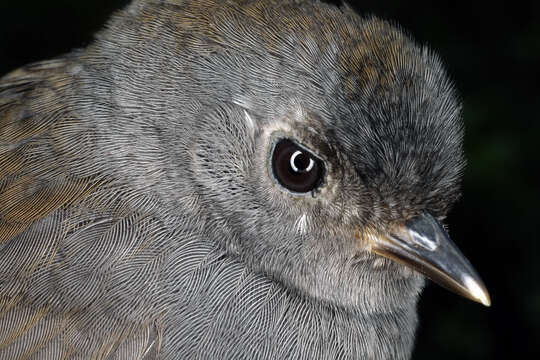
(149, 348)
(301, 224)
(293, 165)
(249, 121)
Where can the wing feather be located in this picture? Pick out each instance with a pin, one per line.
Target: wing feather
(55, 297)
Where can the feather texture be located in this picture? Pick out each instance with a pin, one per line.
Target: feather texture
(137, 217)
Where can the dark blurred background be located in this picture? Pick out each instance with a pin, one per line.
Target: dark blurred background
(492, 51)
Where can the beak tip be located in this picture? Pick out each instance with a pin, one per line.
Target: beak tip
(477, 290)
(484, 300)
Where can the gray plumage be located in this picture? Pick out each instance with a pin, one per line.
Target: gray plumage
(138, 215)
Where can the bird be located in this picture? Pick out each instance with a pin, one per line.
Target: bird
(238, 179)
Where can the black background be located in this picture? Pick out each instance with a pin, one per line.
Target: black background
(492, 52)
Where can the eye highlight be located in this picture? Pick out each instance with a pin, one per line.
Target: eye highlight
(295, 168)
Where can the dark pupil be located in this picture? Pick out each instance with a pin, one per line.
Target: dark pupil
(296, 168)
(301, 162)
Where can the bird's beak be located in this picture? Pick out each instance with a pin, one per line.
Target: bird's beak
(423, 244)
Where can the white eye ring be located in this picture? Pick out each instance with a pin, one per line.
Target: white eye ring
(293, 166)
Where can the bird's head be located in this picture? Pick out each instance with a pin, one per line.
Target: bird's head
(327, 149)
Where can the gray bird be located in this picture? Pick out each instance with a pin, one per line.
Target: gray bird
(239, 179)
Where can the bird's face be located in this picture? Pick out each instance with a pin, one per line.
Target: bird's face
(331, 158)
(340, 211)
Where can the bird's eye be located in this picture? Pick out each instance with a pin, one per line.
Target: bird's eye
(295, 168)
